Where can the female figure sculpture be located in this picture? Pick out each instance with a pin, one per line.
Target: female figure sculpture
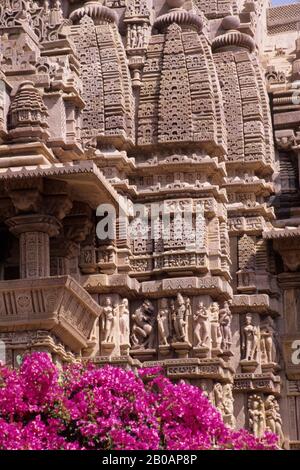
(180, 318)
(109, 315)
(214, 316)
(251, 337)
(225, 322)
(268, 347)
(273, 418)
(124, 322)
(163, 322)
(202, 327)
(257, 419)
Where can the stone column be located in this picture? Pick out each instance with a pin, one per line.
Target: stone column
(34, 232)
(62, 251)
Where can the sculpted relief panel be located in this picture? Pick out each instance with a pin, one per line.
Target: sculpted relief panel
(182, 326)
(136, 103)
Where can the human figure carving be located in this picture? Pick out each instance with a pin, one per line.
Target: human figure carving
(140, 37)
(273, 418)
(133, 36)
(214, 317)
(163, 322)
(109, 318)
(268, 348)
(228, 402)
(202, 327)
(173, 316)
(257, 419)
(46, 6)
(218, 397)
(142, 327)
(180, 318)
(251, 338)
(124, 322)
(57, 5)
(225, 323)
(223, 399)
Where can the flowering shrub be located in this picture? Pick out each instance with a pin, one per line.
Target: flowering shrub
(42, 408)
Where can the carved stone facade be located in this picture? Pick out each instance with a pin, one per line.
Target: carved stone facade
(170, 106)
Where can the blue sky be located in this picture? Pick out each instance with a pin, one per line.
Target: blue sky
(282, 2)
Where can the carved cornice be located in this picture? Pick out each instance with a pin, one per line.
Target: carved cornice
(89, 174)
(255, 303)
(279, 233)
(266, 383)
(118, 283)
(185, 368)
(207, 285)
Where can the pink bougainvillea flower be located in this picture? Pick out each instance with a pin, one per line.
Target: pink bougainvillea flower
(84, 407)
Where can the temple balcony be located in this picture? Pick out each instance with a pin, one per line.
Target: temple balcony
(57, 304)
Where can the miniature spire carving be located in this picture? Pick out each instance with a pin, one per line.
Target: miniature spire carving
(28, 115)
(179, 100)
(108, 114)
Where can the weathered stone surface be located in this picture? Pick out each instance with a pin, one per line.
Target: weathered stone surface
(164, 105)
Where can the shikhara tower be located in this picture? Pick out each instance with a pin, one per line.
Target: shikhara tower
(184, 104)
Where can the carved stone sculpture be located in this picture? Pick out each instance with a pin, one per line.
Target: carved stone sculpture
(175, 108)
(223, 399)
(225, 322)
(142, 326)
(228, 404)
(181, 315)
(257, 418)
(109, 320)
(163, 323)
(202, 329)
(273, 418)
(214, 317)
(124, 322)
(268, 346)
(251, 338)
(218, 397)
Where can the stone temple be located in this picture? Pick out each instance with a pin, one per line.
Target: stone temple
(190, 112)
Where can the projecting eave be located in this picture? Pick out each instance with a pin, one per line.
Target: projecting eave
(279, 233)
(86, 182)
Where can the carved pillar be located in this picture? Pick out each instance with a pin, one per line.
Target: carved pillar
(77, 226)
(62, 251)
(34, 232)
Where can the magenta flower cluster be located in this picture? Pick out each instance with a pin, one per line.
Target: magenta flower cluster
(84, 407)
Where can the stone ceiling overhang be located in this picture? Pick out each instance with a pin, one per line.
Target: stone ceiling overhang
(86, 182)
(286, 241)
(278, 233)
(24, 155)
